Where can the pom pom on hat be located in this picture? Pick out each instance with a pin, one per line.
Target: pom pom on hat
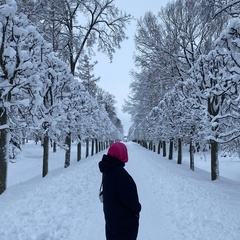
(118, 150)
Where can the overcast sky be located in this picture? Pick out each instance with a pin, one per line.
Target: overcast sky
(115, 77)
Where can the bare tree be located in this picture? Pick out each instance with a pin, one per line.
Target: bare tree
(75, 27)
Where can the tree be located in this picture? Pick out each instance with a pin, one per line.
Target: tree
(202, 106)
(108, 102)
(86, 76)
(20, 48)
(168, 46)
(76, 26)
(218, 80)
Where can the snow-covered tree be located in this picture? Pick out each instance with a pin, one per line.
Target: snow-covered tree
(201, 103)
(168, 45)
(217, 76)
(20, 50)
(86, 75)
(39, 94)
(108, 102)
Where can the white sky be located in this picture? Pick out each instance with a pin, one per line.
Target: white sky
(115, 77)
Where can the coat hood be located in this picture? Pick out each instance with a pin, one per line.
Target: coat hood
(108, 162)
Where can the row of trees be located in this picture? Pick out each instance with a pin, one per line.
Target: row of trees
(76, 29)
(41, 94)
(188, 83)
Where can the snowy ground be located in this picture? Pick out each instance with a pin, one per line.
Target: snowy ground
(177, 204)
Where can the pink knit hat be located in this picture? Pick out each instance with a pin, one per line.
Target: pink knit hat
(119, 151)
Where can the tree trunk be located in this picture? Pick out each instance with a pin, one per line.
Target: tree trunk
(79, 151)
(191, 149)
(214, 111)
(214, 161)
(23, 136)
(145, 144)
(179, 161)
(54, 146)
(159, 147)
(164, 149)
(96, 144)
(87, 148)
(3, 150)
(170, 156)
(92, 153)
(45, 154)
(68, 151)
(99, 146)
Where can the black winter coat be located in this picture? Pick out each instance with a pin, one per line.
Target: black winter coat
(120, 198)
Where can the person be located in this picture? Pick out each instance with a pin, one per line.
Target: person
(121, 205)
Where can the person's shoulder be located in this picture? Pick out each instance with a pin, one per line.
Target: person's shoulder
(121, 171)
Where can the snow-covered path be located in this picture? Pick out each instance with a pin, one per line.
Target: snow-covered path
(177, 204)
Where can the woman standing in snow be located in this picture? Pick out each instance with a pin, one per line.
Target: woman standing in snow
(120, 198)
